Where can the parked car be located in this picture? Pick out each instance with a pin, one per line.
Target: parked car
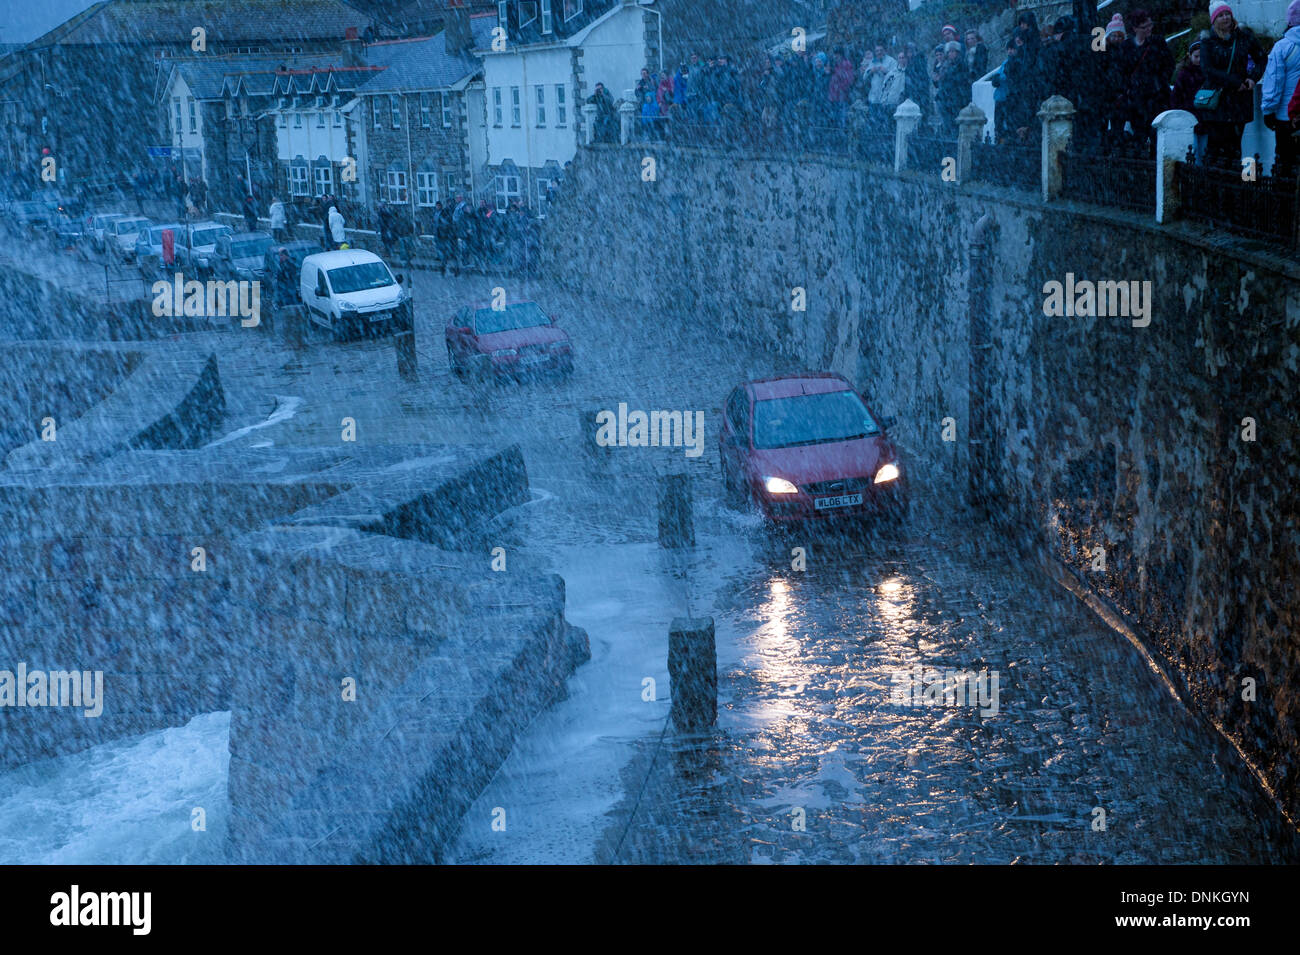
(513, 339)
(96, 228)
(241, 256)
(66, 231)
(201, 246)
(351, 292)
(120, 236)
(298, 250)
(807, 447)
(149, 246)
(29, 214)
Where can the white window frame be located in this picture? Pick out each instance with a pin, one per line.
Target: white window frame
(516, 108)
(539, 106)
(498, 116)
(577, 9)
(194, 116)
(322, 181)
(542, 185)
(561, 105)
(503, 14)
(396, 192)
(426, 189)
(299, 181)
(426, 111)
(395, 108)
(453, 186)
(338, 119)
(446, 110)
(548, 18)
(374, 103)
(503, 192)
(522, 22)
(320, 119)
(180, 116)
(297, 120)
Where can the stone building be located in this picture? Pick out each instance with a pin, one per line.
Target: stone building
(415, 125)
(85, 90)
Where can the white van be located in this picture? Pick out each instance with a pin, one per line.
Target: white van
(351, 291)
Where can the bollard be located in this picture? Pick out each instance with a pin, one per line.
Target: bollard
(404, 343)
(675, 526)
(693, 673)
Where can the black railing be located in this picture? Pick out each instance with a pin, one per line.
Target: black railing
(927, 155)
(1006, 164)
(1259, 206)
(1119, 176)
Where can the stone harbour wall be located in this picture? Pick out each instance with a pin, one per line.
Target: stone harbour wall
(1158, 464)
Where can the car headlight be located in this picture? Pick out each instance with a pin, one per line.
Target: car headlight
(347, 307)
(776, 485)
(887, 472)
(503, 352)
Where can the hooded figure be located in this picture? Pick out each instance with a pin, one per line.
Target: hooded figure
(337, 233)
(1281, 80)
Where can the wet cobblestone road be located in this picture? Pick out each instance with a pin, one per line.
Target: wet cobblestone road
(806, 658)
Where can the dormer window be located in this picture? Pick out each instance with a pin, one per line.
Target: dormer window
(547, 17)
(571, 9)
(527, 12)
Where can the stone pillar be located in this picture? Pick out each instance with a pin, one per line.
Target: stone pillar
(970, 127)
(589, 123)
(693, 673)
(626, 122)
(676, 528)
(1057, 115)
(906, 118)
(1174, 136)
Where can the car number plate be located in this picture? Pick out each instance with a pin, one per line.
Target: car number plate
(533, 359)
(377, 316)
(842, 500)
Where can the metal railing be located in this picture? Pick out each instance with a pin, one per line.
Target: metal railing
(1120, 176)
(927, 154)
(1264, 207)
(1006, 164)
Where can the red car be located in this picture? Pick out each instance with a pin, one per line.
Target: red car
(516, 339)
(807, 446)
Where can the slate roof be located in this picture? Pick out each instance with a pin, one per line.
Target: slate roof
(424, 63)
(248, 22)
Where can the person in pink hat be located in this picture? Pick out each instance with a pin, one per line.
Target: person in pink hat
(1233, 62)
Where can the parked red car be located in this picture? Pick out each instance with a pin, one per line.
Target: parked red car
(515, 339)
(805, 447)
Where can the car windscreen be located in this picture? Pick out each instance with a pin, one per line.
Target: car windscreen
(360, 278)
(206, 236)
(127, 226)
(520, 315)
(811, 419)
(249, 248)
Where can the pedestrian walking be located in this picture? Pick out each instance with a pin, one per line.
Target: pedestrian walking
(338, 234)
(277, 219)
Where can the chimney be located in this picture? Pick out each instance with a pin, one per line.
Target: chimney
(460, 38)
(354, 51)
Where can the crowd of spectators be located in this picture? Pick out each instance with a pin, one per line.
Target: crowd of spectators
(1117, 82)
